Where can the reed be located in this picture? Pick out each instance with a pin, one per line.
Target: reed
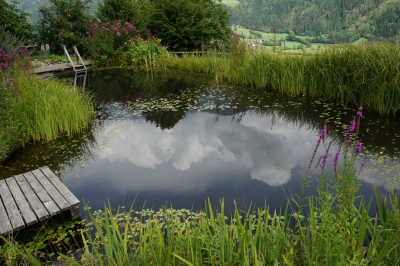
(38, 109)
(50, 108)
(367, 74)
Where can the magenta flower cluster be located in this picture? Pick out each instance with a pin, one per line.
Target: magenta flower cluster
(105, 38)
(116, 29)
(4, 60)
(349, 135)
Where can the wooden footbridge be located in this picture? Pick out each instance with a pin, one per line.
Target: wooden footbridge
(34, 196)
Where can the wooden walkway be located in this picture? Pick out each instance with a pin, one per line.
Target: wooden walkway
(58, 69)
(37, 195)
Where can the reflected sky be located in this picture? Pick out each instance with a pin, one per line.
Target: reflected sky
(258, 159)
(177, 142)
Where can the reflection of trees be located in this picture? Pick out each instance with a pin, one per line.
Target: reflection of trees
(165, 119)
(377, 133)
(171, 90)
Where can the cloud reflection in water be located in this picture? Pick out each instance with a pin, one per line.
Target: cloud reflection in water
(268, 154)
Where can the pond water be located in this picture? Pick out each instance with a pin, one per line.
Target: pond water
(180, 139)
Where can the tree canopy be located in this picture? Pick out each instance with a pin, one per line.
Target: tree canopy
(13, 20)
(187, 24)
(338, 18)
(65, 23)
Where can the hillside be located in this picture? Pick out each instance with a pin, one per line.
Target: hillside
(31, 7)
(342, 20)
(337, 20)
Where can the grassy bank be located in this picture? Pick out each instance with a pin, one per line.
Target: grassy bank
(38, 109)
(366, 74)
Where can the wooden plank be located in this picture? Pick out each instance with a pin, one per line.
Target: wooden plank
(12, 211)
(60, 186)
(20, 200)
(34, 202)
(61, 202)
(5, 225)
(47, 201)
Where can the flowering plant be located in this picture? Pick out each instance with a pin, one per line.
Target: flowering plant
(143, 53)
(106, 41)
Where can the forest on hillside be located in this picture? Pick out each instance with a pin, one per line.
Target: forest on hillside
(341, 20)
(334, 20)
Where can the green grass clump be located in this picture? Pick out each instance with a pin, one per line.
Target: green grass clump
(50, 107)
(48, 57)
(38, 109)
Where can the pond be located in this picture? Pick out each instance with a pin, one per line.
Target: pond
(179, 139)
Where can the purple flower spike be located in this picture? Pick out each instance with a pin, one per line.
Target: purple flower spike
(358, 148)
(359, 112)
(336, 159)
(322, 134)
(323, 162)
(363, 162)
(352, 126)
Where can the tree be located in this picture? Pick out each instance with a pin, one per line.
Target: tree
(187, 24)
(65, 22)
(13, 20)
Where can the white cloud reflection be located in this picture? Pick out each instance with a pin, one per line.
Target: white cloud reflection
(198, 154)
(269, 154)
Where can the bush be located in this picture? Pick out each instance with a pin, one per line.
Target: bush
(65, 23)
(105, 41)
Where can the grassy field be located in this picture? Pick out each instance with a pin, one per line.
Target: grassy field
(230, 3)
(279, 36)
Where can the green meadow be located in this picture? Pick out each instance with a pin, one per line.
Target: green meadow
(291, 46)
(230, 3)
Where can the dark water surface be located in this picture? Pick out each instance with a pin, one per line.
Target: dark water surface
(181, 139)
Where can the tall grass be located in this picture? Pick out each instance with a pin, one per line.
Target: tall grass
(50, 107)
(367, 74)
(38, 109)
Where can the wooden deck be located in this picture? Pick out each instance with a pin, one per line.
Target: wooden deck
(37, 195)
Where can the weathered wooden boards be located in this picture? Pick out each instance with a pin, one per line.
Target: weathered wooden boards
(28, 198)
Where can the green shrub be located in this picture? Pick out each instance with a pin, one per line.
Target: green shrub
(144, 53)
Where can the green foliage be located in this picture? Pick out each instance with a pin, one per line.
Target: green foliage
(351, 18)
(9, 43)
(185, 25)
(12, 253)
(387, 23)
(144, 53)
(65, 23)
(257, 34)
(13, 20)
